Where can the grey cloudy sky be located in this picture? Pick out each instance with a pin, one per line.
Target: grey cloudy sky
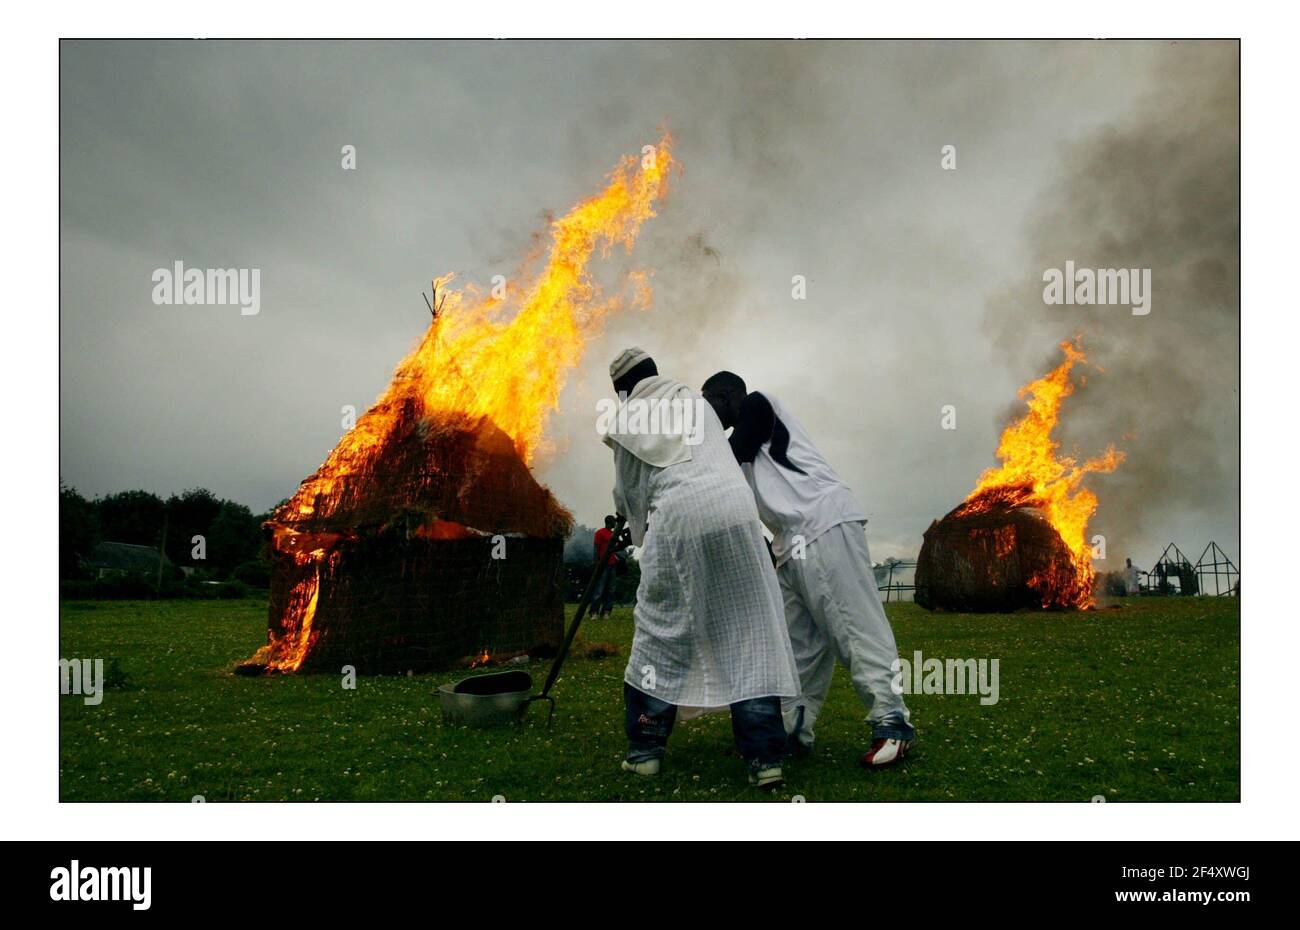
(810, 158)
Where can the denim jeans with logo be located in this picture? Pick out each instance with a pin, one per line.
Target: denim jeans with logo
(756, 724)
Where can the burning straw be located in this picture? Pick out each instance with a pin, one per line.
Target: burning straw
(1020, 537)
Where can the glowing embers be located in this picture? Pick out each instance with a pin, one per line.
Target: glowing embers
(288, 651)
(998, 560)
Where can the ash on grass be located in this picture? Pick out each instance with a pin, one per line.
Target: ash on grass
(1135, 704)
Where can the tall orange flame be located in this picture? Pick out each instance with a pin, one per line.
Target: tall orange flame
(1034, 474)
(507, 356)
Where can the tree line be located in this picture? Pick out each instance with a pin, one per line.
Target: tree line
(232, 546)
(220, 539)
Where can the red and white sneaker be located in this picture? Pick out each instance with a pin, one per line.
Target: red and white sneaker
(885, 752)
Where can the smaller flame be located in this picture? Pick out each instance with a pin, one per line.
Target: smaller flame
(287, 653)
(481, 660)
(1034, 474)
(442, 530)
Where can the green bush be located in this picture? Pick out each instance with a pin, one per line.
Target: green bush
(1112, 584)
(111, 588)
(76, 590)
(255, 574)
(232, 590)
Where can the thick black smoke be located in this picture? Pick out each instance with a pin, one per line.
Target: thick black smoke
(1158, 191)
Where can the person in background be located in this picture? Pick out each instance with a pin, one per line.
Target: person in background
(832, 603)
(1132, 578)
(709, 632)
(602, 599)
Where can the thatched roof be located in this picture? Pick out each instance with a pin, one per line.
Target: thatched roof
(996, 560)
(441, 468)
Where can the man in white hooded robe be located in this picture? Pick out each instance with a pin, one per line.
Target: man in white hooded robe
(832, 605)
(709, 630)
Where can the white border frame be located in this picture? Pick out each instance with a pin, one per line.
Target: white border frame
(1270, 632)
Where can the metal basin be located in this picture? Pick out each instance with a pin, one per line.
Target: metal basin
(486, 700)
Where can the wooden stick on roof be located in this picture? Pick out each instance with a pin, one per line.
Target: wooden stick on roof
(440, 303)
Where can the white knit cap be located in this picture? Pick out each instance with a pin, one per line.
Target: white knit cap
(626, 361)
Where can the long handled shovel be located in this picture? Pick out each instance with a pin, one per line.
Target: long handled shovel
(602, 566)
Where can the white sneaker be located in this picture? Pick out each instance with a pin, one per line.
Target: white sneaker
(769, 777)
(885, 752)
(648, 767)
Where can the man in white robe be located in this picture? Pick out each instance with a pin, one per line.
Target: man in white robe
(1132, 579)
(709, 628)
(832, 603)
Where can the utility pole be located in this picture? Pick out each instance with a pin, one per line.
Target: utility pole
(162, 552)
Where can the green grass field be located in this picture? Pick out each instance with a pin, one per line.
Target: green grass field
(1135, 704)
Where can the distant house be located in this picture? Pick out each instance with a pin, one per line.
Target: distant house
(108, 559)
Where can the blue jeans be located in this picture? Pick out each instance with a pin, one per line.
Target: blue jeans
(756, 724)
(602, 599)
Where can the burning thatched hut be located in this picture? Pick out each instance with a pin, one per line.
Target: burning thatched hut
(1020, 538)
(436, 545)
(424, 538)
(995, 560)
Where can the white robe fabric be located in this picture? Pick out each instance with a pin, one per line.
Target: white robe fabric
(833, 610)
(799, 506)
(653, 434)
(832, 602)
(710, 626)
